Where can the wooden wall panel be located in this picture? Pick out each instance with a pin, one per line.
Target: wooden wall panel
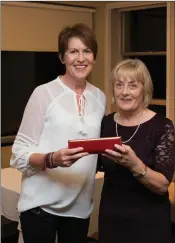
(36, 29)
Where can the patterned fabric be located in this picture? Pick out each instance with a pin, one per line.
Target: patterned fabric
(165, 151)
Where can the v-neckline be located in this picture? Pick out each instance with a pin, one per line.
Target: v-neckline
(71, 90)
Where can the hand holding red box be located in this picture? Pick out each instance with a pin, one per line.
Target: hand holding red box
(96, 145)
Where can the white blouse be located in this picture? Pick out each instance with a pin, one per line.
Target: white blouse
(50, 119)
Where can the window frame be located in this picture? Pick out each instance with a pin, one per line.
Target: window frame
(112, 14)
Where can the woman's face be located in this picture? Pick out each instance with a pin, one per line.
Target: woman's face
(78, 59)
(128, 95)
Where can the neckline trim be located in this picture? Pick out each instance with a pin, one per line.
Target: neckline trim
(142, 123)
(71, 90)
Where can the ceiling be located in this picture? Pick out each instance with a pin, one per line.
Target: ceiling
(93, 4)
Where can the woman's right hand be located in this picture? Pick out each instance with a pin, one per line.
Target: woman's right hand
(66, 157)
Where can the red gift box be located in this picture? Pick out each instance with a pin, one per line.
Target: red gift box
(95, 145)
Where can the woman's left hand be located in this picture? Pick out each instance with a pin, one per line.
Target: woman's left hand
(123, 155)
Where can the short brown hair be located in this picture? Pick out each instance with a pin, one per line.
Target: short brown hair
(81, 31)
(137, 70)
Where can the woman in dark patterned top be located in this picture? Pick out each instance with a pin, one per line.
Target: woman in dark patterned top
(135, 206)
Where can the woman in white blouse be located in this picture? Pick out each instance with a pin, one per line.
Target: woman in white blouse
(57, 182)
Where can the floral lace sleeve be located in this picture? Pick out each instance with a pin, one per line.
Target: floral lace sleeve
(165, 152)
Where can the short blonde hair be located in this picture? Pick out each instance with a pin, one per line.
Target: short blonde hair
(136, 70)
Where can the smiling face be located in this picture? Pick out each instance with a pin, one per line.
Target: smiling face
(128, 95)
(78, 59)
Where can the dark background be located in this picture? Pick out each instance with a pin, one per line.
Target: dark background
(22, 71)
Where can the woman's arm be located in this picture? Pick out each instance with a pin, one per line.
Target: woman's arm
(64, 158)
(28, 136)
(25, 154)
(153, 180)
(159, 178)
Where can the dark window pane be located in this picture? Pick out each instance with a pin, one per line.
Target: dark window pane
(157, 68)
(145, 30)
(160, 109)
(21, 72)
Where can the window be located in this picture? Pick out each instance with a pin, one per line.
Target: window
(22, 72)
(144, 30)
(144, 37)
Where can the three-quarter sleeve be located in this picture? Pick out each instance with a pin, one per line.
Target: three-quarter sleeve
(165, 152)
(29, 132)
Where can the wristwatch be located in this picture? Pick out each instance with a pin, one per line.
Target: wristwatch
(140, 174)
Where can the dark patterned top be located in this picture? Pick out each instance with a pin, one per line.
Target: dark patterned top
(129, 211)
(154, 142)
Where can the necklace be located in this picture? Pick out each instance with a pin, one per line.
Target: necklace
(132, 134)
